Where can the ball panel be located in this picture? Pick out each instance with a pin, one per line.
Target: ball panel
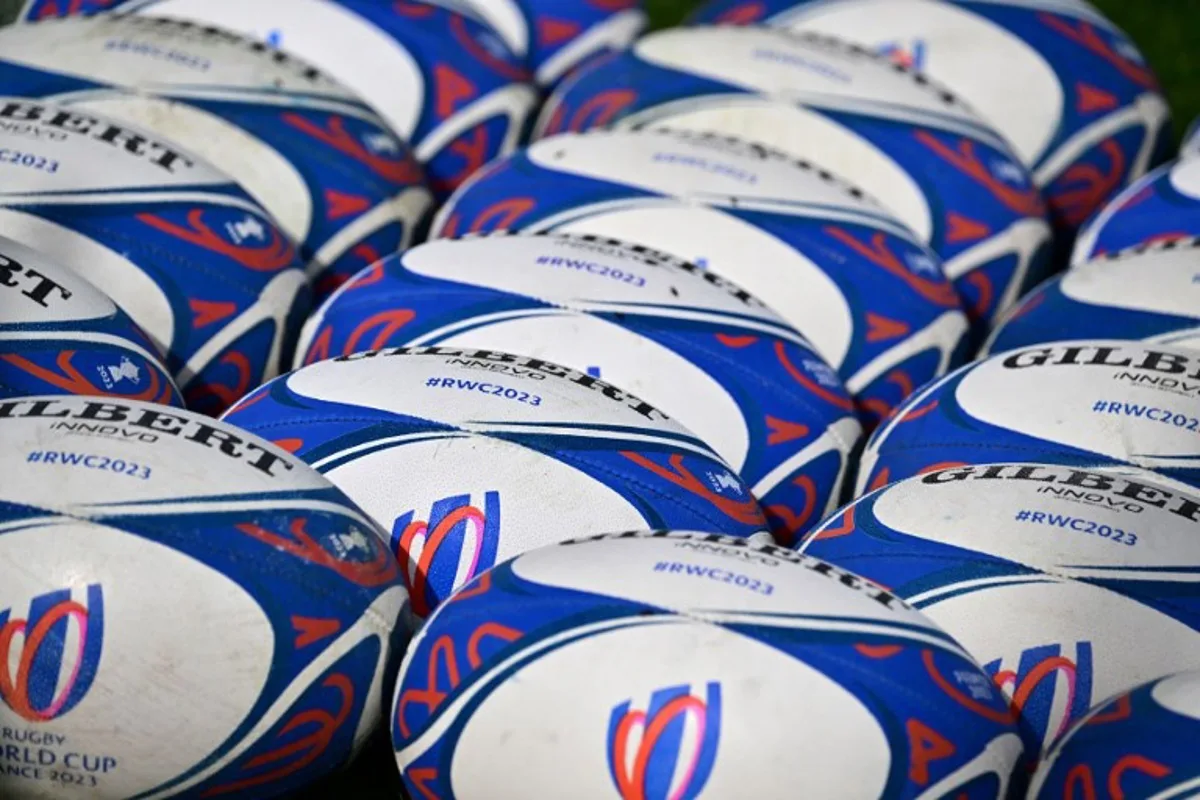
(60, 334)
(1136, 740)
(303, 146)
(524, 623)
(1078, 402)
(132, 501)
(119, 665)
(1014, 545)
(854, 281)
(192, 259)
(982, 208)
(1163, 206)
(1148, 294)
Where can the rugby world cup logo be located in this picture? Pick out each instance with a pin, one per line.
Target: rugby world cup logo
(48, 659)
(457, 542)
(667, 750)
(1050, 685)
(912, 55)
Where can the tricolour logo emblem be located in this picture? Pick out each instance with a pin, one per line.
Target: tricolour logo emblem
(1050, 685)
(48, 660)
(907, 54)
(458, 542)
(667, 751)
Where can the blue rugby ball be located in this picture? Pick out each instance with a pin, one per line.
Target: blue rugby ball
(61, 335)
(1163, 206)
(554, 37)
(1065, 86)
(1068, 585)
(304, 146)
(907, 141)
(193, 260)
(701, 349)
(681, 665)
(443, 81)
(829, 260)
(469, 456)
(1141, 742)
(185, 609)
(1150, 293)
(1079, 403)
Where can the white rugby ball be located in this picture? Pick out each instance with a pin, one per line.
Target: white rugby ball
(1061, 82)
(907, 141)
(307, 148)
(470, 456)
(185, 609)
(700, 348)
(1066, 584)
(829, 259)
(196, 263)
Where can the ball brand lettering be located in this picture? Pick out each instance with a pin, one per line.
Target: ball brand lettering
(583, 379)
(503, 369)
(223, 441)
(55, 650)
(184, 28)
(1137, 359)
(847, 579)
(156, 152)
(31, 283)
(1186, 507)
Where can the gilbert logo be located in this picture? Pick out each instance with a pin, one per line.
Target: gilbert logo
(48, 659)
(667, 750)
(457, 542)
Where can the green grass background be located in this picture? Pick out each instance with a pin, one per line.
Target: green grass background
(1168, 32)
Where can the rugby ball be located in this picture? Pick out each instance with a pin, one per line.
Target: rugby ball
(1141, 741)
(1078, 403)
(308, 150)
(192, 259)
(1161, 207)
(906, 141)
(683, 665)
(1062, 582)
(185, 609)
(1191, 140)
(443, 81)
(554, 37)
(61, 335)
(701, 349)
(1066, 87)
(1150, 293)
(871, 299)
(471, 456)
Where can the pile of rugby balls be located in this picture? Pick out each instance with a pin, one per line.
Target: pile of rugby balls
(482, 399)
